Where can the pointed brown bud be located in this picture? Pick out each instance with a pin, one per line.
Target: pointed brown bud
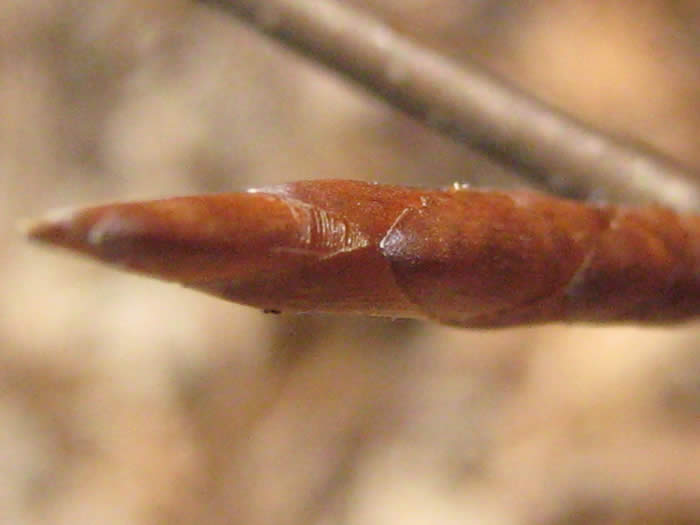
(459, 256)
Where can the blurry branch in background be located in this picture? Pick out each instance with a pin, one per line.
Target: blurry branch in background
(472, 106)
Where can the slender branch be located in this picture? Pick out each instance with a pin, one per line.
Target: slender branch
(471, 105)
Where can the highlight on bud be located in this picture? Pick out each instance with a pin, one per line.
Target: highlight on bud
(458, 256)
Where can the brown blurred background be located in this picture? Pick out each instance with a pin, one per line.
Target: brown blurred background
(129, 401)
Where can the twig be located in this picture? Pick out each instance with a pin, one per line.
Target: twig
(472, 106)
(458, 256)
